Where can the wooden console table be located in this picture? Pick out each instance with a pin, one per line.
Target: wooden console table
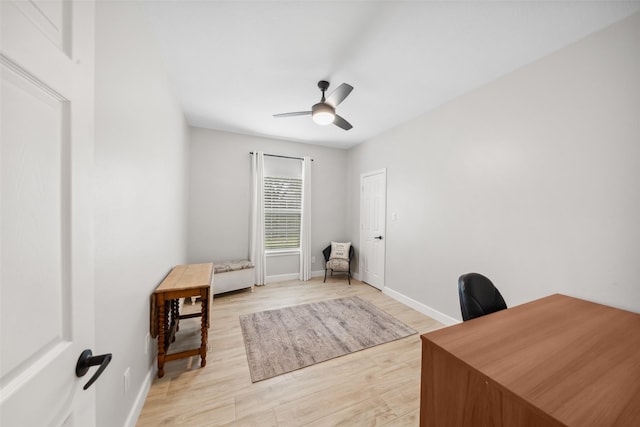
(184, 281)
(556, 361)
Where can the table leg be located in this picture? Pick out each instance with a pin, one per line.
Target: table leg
(167, 324)
(204, 328)
(176, 312)
(162, 329)
(175, 315)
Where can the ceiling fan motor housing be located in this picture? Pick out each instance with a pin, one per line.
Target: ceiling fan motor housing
(323, 107)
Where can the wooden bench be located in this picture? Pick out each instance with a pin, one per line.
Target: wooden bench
(184, 281)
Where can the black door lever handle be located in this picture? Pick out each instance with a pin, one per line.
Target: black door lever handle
(378, 237)
(86, 360)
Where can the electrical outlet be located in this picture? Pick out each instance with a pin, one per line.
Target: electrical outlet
(313, 260)
(126, 380)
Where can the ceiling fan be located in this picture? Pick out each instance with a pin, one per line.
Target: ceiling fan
(324, 112)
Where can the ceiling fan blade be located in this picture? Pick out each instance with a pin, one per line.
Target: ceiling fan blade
(342, 123)
(297, 113)
(338, 95)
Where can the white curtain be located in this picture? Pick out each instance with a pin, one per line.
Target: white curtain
(305, 231)
(256, 228)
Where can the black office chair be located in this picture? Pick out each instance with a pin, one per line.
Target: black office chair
(342, 265)
(478, 296)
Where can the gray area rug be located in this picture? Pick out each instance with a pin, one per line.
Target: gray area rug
(283, 340)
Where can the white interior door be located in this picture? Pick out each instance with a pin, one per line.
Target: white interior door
(46, 255)
(373, 210)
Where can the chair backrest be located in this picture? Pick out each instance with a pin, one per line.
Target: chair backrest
(478, 296)
(327, 253)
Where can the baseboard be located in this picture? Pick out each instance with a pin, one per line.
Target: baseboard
(291, 276)
(281, 277)
(295, 276)
(320, 273)
(422, 308)
(134, 414)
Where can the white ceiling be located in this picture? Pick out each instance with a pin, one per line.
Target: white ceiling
(233, 64)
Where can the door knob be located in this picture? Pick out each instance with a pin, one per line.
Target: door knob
(378, 237)
(86, 360)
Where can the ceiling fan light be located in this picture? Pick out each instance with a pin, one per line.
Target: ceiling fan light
(323, 114)
(323, 118)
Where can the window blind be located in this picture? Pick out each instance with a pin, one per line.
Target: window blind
(282, 212)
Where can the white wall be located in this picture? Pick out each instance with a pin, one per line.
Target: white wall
(219, 196)
(533, 180)
(140, 200)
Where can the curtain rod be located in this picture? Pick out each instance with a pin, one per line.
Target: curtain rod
(282, 157)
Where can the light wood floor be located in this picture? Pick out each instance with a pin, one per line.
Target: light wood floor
(379, 386)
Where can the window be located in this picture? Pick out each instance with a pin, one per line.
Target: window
(282, 213)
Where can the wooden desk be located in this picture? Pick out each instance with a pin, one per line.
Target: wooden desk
(184, 281)
(556, 361)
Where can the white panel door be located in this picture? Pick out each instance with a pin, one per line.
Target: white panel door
(46, 255)
(373, 209)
